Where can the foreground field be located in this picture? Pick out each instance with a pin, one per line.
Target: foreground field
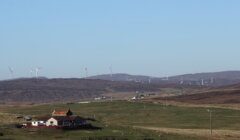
(130, 120)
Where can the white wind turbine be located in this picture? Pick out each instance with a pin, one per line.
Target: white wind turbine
(181, 81)
(111, 71)
(31, 72)
(202, 82)
(11, 72)
(149, 80)
(86, 72)
(37, 71)
(167, 78)
(212, 80)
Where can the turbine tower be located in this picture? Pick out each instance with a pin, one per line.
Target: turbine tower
(11, 72)
(111, 72)
(86, 72)
(202, 83)
(212, 80)
(37, 71)
(149, 80)
(31, 72)
(181, 81)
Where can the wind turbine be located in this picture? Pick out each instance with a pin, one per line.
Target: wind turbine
(167, 78)
(86, 71)
(202, 82)
(181, 81)
(212, 80)
(149, 80)
(111, 72)
(11, 71)
(31, 72)
(37, 71)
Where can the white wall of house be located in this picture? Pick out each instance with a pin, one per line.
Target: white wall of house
(34, 123)
(52, 122)
(38, 123)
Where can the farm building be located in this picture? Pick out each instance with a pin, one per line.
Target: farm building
(66, 121)
(60, 119)
(38, 123)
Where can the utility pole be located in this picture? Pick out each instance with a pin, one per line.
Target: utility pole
(210, 120)
(166, 101)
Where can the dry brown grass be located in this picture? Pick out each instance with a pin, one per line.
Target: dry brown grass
(6, 118)
(217, 134)
(182, 104)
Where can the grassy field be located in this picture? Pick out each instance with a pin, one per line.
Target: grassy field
(120, 120)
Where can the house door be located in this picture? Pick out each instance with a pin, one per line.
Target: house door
(51, 123)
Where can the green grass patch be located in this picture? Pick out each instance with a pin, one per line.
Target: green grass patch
(117, 119)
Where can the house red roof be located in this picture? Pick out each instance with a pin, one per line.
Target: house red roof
(62, 112)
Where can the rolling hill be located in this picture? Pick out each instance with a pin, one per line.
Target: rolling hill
(43, 90)
(214, 79)
(63, 90)
(121, 77)
(219, 95)
(211, 97)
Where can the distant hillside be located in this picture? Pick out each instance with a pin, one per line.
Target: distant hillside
(121, 77)
(212, 78)
(58, 90)
(134, 78)
(220, 95)
(201, 79)
(46, 90)
(211, 97)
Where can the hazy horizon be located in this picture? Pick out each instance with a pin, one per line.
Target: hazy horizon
(153, 38)
(132, 74)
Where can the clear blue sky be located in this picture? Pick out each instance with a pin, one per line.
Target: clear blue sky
(149, 37)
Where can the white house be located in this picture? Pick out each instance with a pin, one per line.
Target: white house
(97, 98)
(52, 122)
(61, 119)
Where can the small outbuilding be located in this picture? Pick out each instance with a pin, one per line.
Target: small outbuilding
(38, 123)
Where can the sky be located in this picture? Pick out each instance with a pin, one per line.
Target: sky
(145, 37)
